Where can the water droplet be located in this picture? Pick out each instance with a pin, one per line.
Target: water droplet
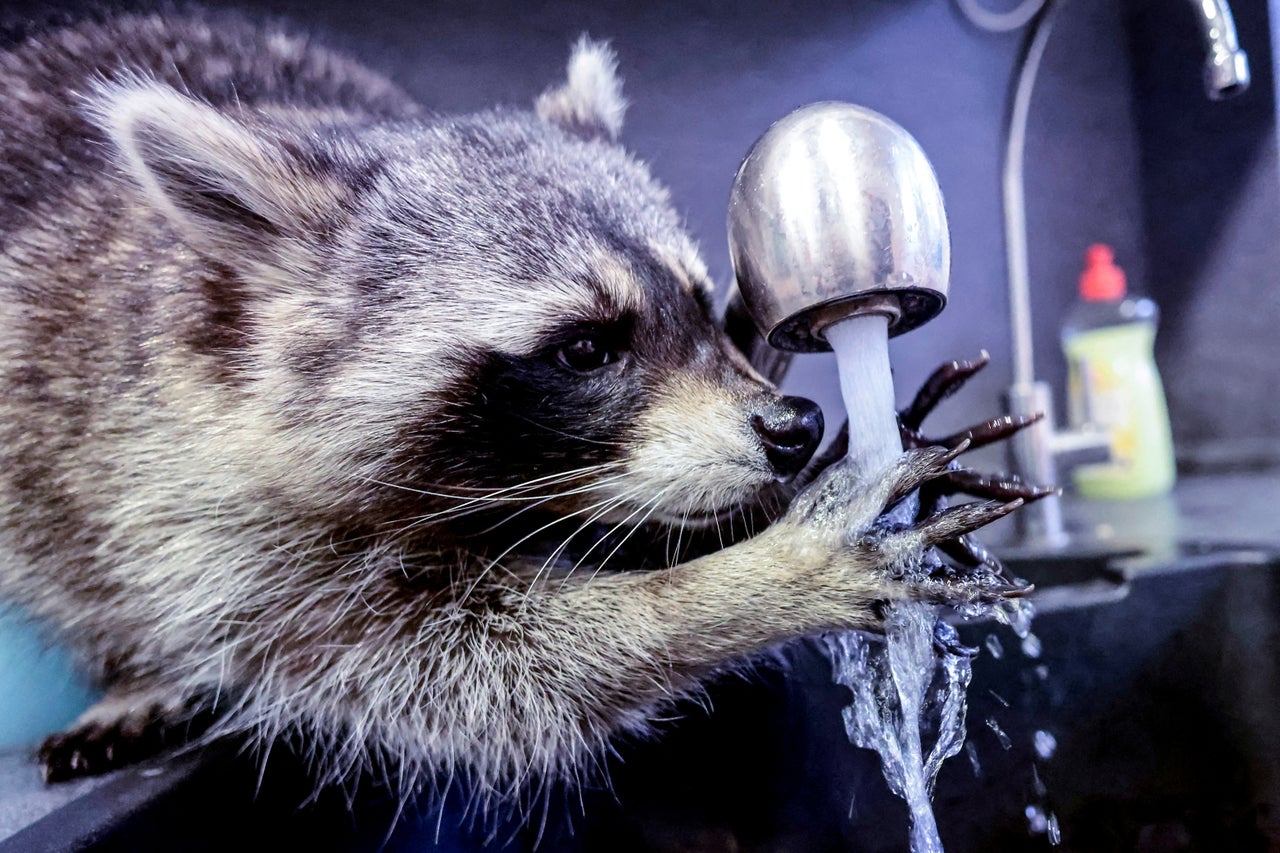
(1004, 703)
(1037, 784)
(1055, 831)
(1037, 823)
(1031, 646)
(1046, 744)
(1042, 672)
(1017, 614)
(972, 751)
(994, 646)
(1005, 742)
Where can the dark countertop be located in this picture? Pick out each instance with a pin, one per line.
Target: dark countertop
(1204, 512)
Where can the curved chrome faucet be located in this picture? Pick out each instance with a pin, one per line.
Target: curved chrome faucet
(1038, 452)
(1226, 68)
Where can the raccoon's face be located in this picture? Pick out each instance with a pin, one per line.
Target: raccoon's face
(622, 396)
(587, 372)
(494, 312)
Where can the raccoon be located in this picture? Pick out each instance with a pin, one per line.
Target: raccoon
(329, 417)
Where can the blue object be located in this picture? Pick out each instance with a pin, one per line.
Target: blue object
(41, 691)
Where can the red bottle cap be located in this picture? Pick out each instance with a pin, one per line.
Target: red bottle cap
(1102, 280)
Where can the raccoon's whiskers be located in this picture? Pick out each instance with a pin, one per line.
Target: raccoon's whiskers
(600, 508)
(581, 490)
(669, 554)
(534, 501)
(684, 521)
(490, 494)
(605, 508)
(508, 494)
(597, 510)
(612, 530)
(653, 506)
(569, 435)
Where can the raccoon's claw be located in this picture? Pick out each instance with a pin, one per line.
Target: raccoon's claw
(920, 466)
(948, 525)
(987, 432)
(1004, 491)
(954, 522)
(95, 748)
(949, 591)
(986, 486)
(947, 530)
(941, 384)
(966, 552)
(102, 744)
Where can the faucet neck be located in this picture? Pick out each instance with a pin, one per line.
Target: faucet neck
(1226, 66)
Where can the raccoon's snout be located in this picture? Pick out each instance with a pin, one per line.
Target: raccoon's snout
(790, 429)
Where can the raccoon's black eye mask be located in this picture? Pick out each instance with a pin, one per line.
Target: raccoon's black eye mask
(585, 347)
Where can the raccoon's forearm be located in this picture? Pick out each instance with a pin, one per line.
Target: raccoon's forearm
(679, 623)
(552, 672)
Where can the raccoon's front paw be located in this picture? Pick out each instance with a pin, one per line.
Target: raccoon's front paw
(843, 500)
(905, 547)
(122, 729)
(853, 513)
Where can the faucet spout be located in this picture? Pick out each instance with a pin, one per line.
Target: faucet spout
(836, 212)
(1226, 66)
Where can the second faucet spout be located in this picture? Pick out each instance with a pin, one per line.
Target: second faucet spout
(1226, 67)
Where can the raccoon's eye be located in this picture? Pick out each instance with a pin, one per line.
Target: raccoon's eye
(585, 354)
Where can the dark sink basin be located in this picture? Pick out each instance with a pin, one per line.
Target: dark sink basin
(1045, 571)
(1165, 708)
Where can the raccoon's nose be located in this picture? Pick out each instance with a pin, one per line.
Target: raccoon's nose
(790, 429)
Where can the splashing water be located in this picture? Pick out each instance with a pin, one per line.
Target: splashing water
(1006, 742)
(901, 683)
(891, 678)
(891, 693)
(1046, 744)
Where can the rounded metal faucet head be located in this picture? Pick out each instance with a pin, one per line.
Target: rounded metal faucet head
(835, 212)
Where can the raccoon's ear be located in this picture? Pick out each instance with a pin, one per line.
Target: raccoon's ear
(589, 103)
(235, 193)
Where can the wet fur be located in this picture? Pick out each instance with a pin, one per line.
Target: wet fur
(282, 425)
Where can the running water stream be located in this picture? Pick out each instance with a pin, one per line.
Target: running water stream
(899, 683)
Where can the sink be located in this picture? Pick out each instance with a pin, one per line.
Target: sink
(1164, 704)
(1051, 570)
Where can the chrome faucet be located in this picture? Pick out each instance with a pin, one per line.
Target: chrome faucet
(1039, 451)
(836, 213)
(1226, 68)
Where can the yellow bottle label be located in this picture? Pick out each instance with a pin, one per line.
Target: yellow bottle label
(1114, 385)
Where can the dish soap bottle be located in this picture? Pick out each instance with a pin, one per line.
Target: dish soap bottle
(1109, 341)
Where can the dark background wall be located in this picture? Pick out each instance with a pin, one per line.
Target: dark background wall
(1123, 147)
